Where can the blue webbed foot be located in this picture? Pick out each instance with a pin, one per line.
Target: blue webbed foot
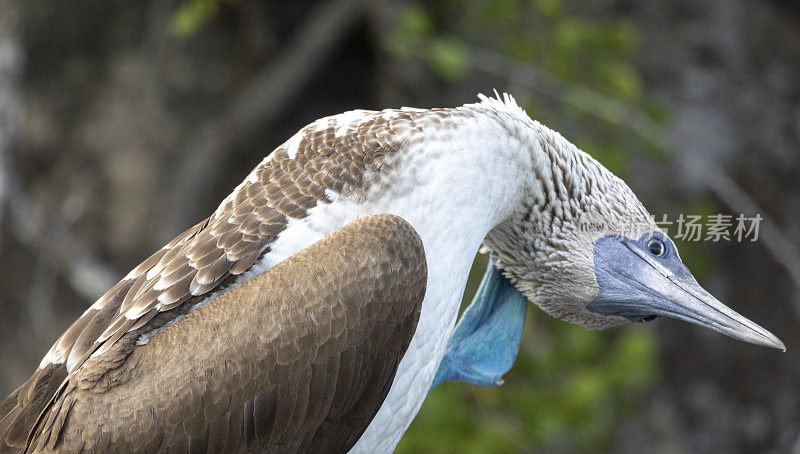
(486, 340)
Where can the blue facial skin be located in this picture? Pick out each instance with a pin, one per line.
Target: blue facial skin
(636, 279)
(486, 340)
(631, 282)
(640, 279)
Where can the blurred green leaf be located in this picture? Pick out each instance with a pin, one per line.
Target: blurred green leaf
(613, 158)
(411, 29)
(622, 80)
(549, 8)
(449, 58)
(415, 21)
(500, 11)
(193, 14)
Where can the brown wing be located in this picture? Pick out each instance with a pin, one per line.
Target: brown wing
(325, 159)
(209, 255)
(299, 358)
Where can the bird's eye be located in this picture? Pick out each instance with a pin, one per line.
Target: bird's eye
(656, 247)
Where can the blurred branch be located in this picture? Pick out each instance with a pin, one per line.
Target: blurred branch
(28, 222)
(42, 294)
(588, 101)
(723, 186)
(10, 69)
(709, 174)
(31, 225)
(261, 100)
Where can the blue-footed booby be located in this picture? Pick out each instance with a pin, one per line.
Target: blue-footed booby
(316, 307)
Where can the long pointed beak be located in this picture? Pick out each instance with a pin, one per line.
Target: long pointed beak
(683, 298)
(636, 285)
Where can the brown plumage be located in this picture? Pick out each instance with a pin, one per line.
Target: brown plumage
(299, 358)
(213, 254)
(347, 155)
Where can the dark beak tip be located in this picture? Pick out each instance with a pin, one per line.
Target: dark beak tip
(772, 341)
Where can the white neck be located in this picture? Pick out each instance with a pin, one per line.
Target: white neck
(452, 190)
(453, 187)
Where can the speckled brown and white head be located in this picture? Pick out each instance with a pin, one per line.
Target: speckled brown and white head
(545, 247)
(581, 246)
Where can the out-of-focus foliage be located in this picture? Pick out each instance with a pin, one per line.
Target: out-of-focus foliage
(570, 387)
(595, 53)
(190, 15)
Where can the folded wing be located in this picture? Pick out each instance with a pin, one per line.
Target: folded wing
(299, 357)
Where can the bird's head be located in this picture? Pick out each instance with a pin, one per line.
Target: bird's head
(583, 248)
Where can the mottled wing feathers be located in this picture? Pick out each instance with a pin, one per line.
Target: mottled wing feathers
(330, 157)
(20, 411)
(299, 358)
(320, 162)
